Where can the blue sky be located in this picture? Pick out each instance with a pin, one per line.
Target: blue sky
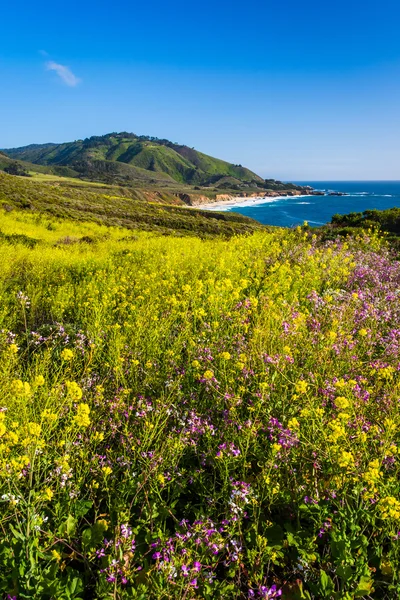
(293, 90)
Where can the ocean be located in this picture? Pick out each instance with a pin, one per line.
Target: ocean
(318, 210)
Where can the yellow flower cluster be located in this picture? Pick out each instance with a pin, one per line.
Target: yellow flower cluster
(337, 429)
(67, 354)
(20, 388)
(389, 508)
(208, 375)
(3, 428)
(346, 460)
(39, 380)
(342, 403)
(74, 391)
(371, 478)
(82, 415)
(293, 423)
(301, 387)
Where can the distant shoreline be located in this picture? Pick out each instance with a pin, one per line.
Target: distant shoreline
(244, 201)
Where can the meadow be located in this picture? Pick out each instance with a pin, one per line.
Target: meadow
(184, 418)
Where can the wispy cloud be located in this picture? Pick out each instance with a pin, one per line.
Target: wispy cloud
(64, 73)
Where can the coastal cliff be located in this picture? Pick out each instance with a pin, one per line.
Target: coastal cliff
(199, 199)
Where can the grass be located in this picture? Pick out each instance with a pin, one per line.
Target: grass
(72, 181)
(114, 206)
(193, 418)
(126, 157)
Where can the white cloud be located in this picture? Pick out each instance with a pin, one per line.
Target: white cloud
(64, 73)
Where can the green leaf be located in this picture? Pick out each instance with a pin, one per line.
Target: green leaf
(326, 584)
(82, 507)
(68, 527)
(364, 587)
(18, 535)
(87, 537)
(345, 572)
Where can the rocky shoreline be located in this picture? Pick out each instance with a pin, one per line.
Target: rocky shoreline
(196, 200)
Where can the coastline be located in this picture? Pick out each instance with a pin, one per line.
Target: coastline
(226, 205)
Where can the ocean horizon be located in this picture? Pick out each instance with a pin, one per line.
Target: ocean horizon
(289, 211)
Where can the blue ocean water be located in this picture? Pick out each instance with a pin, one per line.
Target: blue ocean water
(317, 210)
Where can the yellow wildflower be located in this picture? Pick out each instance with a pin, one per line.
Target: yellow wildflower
(46, 414)
(342, 402)
(48, 494)
(208, 374)
(39, 380)
(20, 388)
(337, 430)
(389, 508)
(3, 428)
(82, 415)
(34, 429)
(390, 425)
(346, 460)
(11, 436)
(343, 416)
(107, 471)
(340, 383)
(74, 391)
(67, 354)
(225, 355)
(301, 387)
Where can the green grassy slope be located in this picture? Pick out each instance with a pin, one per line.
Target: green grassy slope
(61, 171)
(105, 156)
(108, 206)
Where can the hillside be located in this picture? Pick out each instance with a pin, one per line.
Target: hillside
(128, 158)
(107, 205)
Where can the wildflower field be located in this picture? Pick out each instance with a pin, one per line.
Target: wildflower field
(197, 419)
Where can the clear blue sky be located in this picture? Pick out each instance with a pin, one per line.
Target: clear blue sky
(293, 89)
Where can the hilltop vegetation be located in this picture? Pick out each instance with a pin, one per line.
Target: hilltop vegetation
(383, 220)
(186, 418)
(125, 158)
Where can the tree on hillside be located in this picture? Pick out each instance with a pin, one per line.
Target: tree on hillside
(15, 168)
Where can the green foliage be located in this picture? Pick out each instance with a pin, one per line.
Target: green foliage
(16, 168)
(387, 221)
(108, 208)
(127, 158)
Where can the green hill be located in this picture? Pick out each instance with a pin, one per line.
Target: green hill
(154, 211)
(128, 158)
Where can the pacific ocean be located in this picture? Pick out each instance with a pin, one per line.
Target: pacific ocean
(318, 210)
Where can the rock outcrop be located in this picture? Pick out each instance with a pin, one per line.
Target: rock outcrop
(199, 199)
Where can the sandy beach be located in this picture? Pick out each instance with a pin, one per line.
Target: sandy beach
(224, 205)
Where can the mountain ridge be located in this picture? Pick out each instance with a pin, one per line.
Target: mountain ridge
(132, 159)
